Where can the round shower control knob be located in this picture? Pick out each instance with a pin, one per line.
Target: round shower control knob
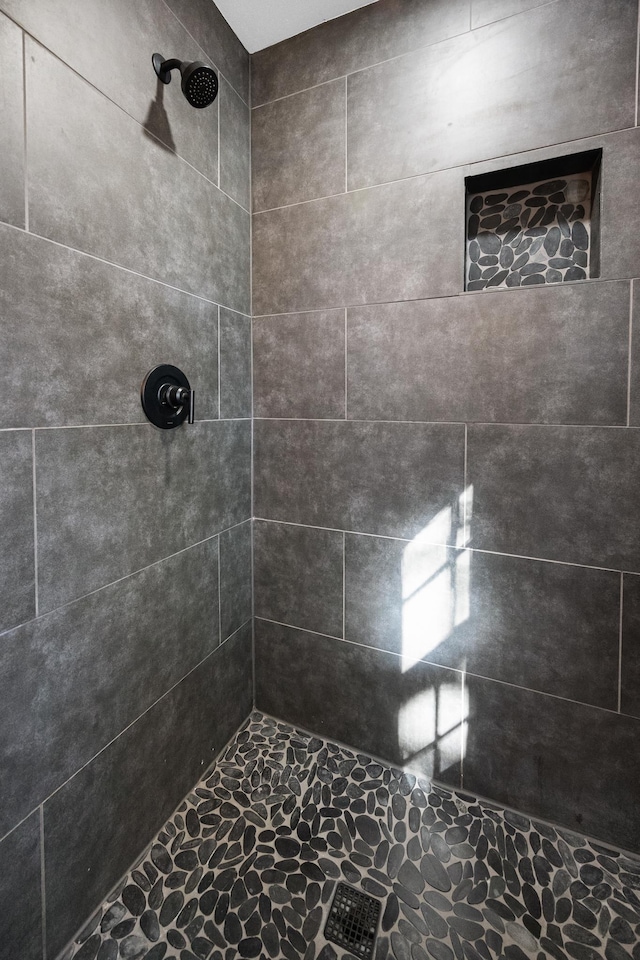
(167, 397)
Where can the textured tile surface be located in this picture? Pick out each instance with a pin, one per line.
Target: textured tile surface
(73, 680)
(12, 200)
(298, 576)
(583, 756)
(93, 524)
(298, 147)
(114, 806)
(235, 578)
(376, 32)
(105, 161)
(310, 347)
(79, 336)
(17, 586)
(21, 915)
(563, 357)
(487, 11)
(393, 479)
(235, 364)
(248, 866)
(558, 493)
(235, 145)
(630, 664)
(537, 625)
(427, 111)
(395, 242)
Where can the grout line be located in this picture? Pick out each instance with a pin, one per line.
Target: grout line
(151, 706)
(127, 576)
(24, 120)
(620, 645)
(344, 585)
(467, 167)
(219, 403)
(440, 666)
(439, 423)
(43, 895)
(219, 590)
(35, 521)
(346, 364)
(107, 426)
(346, 138)
(120, 266)
(629, 363)
(452, 546)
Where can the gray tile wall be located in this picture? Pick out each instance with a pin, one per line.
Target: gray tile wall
(125, 560)
(446, 534)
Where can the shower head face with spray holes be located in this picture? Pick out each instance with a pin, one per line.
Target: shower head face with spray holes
(199, 82)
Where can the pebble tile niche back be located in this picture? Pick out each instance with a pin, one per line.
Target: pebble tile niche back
(534, 224)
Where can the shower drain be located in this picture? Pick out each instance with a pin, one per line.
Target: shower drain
(353, 921)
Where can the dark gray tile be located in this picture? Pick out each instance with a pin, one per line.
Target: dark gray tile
(557, 493)
(299, 147)
(554, 759)
(12, 198)
(630, 675)
(395, 242)
(235, 578)
(107, 657)
(357, 695)
(17, 586)
(373, 33)
(563, 357)
(394, 134)
(310, 348)
(114, 499)
(235, 145)
(394, 479)
(298, 576)
(80, 335)
(117, 60)
(534, 624)
(488, 11)
(100, 820)
(179, 228)
(634, 383)
(235, 364)
(21, 915)
(204, 21)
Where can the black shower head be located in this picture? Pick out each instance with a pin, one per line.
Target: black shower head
(199, 82)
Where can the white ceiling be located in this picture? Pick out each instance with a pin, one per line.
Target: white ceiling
(261, 23)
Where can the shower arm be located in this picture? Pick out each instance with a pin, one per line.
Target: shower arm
(164, 67)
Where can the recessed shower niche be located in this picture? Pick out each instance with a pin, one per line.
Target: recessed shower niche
(534, 224)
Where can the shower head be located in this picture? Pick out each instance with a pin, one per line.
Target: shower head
(199, 82)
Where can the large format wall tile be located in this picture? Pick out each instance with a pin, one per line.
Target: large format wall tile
(73, 680)
(17, 584)
(559, 493)
(563, 357)
(113, 499)
(204, 21)
(21, 914)
(634, 382)
(630, 665)
(106, 188)
(12, 127)
(358, 695)
(298, 576)
(298, 147)
(79, 335)
(376, 32)
(235, 364)
(488, 11)
(558, 760)
(394, 479)
(395, 242)
(235, 145)
(537, 625)
(235, 578)
(123, 69)
(115, 805)
(428, 110)
(310, 347)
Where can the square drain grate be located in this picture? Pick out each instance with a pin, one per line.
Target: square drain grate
(353, 921)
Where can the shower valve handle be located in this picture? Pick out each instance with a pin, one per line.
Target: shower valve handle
(178, 397)
(167, 397)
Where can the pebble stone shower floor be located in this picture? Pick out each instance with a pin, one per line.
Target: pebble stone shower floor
(248, 866)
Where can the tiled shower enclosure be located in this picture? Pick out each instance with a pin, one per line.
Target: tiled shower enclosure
(375, 617)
